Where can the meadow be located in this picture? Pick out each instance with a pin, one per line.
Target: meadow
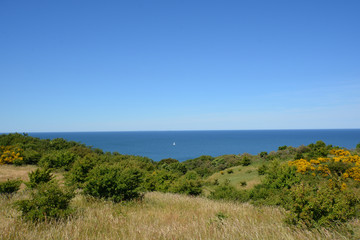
(56, 189)
(161, 216)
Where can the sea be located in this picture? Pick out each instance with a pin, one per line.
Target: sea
(184, 145)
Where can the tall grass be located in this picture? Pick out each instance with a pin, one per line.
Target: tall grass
(162, 216)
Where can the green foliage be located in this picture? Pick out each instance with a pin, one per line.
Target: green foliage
(243, 183)
(230, 171)
(31, 156)
(274, 188)
(80, 169)
(48, 201)
(319, 149)
(313, 206)
(160, 180)
(282, 147)
(39, 176)
(358, 146)
(263, 154)
(167, 161)
(61, 144)
(174, 167)
(10, 186)
(228, 192)
(339, 168)
(58, 159)
(190, 184)
(114, 182)
(298, 155)
(262, 169)
(245, 161)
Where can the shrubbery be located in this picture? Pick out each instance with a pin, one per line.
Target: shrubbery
(39, 176)
(113, 182)
(48, 201)
(324, 205)
(190, 184)
(58, 159)
(228, 192)
(10, 186)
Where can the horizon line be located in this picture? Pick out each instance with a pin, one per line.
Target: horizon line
(186, 130)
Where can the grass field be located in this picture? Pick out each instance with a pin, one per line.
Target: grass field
(160, 216)
(248, 174)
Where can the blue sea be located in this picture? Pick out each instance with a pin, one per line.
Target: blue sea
(183, 145)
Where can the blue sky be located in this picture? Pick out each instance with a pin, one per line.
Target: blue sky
(179, 65)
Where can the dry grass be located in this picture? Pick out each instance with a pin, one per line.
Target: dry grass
(21, 172)
(161, 216)
(15, 172)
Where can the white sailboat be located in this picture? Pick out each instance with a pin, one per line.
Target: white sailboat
(174, 144)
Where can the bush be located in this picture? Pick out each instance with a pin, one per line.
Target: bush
(313, 206)
(31, 156)
(274, 188)
(190, 184)
(39, 176)
(243, 183)
(282, 147)
(262, 169)
(80, 170)
(58, 159)
(10, 186)
(113, 182)
(228, 192)
(245, 161)
(263, 154)
(48, 201)
(230, 171)
(160, 180)
(9, 154)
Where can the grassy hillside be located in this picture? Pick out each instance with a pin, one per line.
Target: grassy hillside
(308, 187)
(159, 216)
(235, 176)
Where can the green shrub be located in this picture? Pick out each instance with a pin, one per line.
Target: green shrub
(282, 147)
(190, 184)
(313, 206)
(298, 155)
(243, 183)
(228, 192)
(31, 156)
(113, 182)
(80, 170)
(10, 186)
(263, 154)
(48, 201)
(39, 176)
(245, 161)
(262, 169)
(160, 180)
(58, 159)
(274, 188)
(230, 171)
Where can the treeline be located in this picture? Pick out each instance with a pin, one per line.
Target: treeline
(317, 185)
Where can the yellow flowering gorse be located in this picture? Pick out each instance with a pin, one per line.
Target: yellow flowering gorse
(8, 154)
(320, 165)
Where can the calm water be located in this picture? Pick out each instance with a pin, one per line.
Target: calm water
(158, 145)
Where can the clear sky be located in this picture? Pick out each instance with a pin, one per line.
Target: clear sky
(179, 65)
